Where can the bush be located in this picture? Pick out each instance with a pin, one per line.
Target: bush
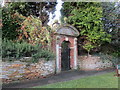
(16, 49)
(116, 53)
(24, 49)
(42, 54)
(113, 59)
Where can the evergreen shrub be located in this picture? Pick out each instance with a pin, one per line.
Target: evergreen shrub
(11, 49)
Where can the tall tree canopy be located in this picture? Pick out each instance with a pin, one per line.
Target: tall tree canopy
(111, 16)
(38, 9)
(12, 24)
(87, 18)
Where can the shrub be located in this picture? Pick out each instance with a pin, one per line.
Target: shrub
(113, 59)
(16, 49)
(33, 31)
(23, 49)
(42, 54)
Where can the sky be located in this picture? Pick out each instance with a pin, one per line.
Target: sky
(57, 13)
(2, 2)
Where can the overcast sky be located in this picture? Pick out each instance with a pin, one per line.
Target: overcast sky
(57, 13)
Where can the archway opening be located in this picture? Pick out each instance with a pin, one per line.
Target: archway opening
(65, 56)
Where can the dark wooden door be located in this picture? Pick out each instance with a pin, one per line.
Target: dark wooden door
(65, 56)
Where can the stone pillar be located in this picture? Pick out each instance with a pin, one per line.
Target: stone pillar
(57, 55)
(72, 57)
(59, 59)
(75, 53)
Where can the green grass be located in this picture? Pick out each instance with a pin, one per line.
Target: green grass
(99, 81)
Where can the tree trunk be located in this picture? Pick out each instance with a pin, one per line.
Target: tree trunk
(88, 53)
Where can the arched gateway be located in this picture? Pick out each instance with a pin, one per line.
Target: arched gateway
(66, 48)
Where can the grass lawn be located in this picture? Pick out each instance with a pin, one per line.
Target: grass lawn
(99, 81)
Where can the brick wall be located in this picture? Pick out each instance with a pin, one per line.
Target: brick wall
(93, 63)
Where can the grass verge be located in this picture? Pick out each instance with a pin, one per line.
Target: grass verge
(99, 81)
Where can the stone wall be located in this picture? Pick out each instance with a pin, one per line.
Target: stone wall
(17, 71)
(93, 63)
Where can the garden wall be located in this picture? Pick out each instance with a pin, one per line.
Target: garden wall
(16, 71)
(93, 63)
(20, 70)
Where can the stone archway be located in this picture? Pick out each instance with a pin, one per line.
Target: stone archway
(66, 33)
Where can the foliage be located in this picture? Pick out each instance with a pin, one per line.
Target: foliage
(10, 24)
(86, 17)
(28, 28)
(17, 49)
(33, 32)
(115, 60)
(88, 47)
(23, 10)
(38, 9)
(111, 14)
(23, 49)
(23, 30)
(47, 54)
(110, 49)
(117, 53)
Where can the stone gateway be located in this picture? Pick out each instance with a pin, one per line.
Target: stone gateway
(66, 48)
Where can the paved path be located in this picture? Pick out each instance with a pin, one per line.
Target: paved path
(61, 77)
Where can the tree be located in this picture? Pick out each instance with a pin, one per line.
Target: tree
(32, 31)
(36, 9)
(111, 15)
(10, 24)
(86, 17)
